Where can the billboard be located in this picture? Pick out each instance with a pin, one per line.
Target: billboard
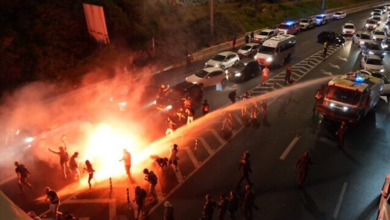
(96, 23)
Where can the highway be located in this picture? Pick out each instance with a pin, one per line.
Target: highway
(341, 184)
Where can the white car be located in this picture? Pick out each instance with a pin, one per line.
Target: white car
(248, 50)
(208, 77)
(372, 62)
(370, 24)
(384, 206)
(307, 23)
(339, 15)
(378, 35)
(223, 60)
(361, 38)
(378, 19)
(348, 29)
(376, 14)
(377, 10)
(265, 35)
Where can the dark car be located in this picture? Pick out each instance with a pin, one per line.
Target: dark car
(372, 49)
(331, 37)
(173, 99)
(124, 94)
(386, 44)
(376, 74)
(244, 70)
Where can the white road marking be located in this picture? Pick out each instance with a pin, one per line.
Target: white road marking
(192, 157)
(215, 133)
(237, 118)
(179, 176)
(334, 66)
(206, 146)
(343, 59)
(305, 42)
(336, 211)
(289, 147)
(326, 73)
(385, 99)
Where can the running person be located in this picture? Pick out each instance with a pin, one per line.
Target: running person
(64, 158)
(73, 165)
(54, 201)
(22, 173)
(173, 156)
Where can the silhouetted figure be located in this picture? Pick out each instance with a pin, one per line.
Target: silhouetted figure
(303, 164)
(341, 134)
(208, 208)
(245, 169)
(222, 206)
(22, 173)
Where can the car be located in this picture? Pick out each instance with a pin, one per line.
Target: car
(361, 38)
(386, 25)
(372, 49)
(223, 60)
(339, 15)
(248, 50)
(376, 14)
(331, 37)
(289, 27)
(375, 74)
(307, 23)
(172, 100)
(378, 19)
(378, 35)
(378, 10)
(372, 62)
(264, 35)
(386, 44)
(208, 77)
(123, 94)
(387, 7)
(348, 29)
(247, 68)
(321, 19)
(371, 24)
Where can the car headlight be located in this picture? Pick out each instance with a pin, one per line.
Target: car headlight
(29, 139)
(385, 46)
(369, 52)
(154, 102)
(122, 103)
(374, 37)
(169, 107)
(382, 70)
(269, 59)
(367, 25)
(331, 104)
(195, 82)
(255, 57)
(361, 42)
(237, 74)
(216, 65)
(205, 64)
(345, 108)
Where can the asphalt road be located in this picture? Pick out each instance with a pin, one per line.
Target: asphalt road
(341, 184)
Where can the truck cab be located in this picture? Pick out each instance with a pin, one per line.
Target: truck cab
(351, 96)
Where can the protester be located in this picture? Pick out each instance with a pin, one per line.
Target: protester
(189, 59)
(173, 156)
(64, 158)
(303, 164)
(127, 160)
(233, 96)
(22, 173)
(168, 211)
(222, 206)
(152, 179)
(205, 107)
(233, 205)
(208, 208)
(245, 169)
(265, 75)
(89, 169)
(171, 126)
(74, 166)
(54, 201)
(140, 196)
(341, 134)
(190, 112)
(249, 203)
(287, 77)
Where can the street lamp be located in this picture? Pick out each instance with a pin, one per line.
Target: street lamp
(323, 5)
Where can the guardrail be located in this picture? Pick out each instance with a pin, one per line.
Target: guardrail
(205, 53)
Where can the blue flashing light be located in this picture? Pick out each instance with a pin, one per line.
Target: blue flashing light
(359, 79)
(289, 22)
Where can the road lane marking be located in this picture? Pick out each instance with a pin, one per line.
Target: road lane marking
(289, 148)
(305, 42)
(215, 133)
(179, 176)
(237, 118)
(192, 157)
(336, 211)
(206, 146)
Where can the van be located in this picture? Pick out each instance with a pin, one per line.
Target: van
(276, 51)
(289, 27)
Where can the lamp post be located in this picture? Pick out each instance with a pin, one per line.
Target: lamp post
(323, 5)
(212, 17)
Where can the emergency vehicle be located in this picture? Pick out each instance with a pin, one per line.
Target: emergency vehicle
(351, 96)
(277, 50)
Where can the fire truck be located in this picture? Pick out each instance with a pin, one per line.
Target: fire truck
(350, 97)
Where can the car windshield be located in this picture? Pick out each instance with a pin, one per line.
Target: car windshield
(376, 18)
(266, 50)
(218, 58)
(343, 95)
(349, 27)
(283, 26)
(379, 33)
(377, 13)
(305, 21)
(339, 13)
(374, 47)
(365, 37)
(374, 61)
(246, 47)
(201, 74)
(263, 33)
(371, 22)
(319, 17)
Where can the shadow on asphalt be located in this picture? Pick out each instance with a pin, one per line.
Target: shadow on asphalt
(311, 206)
(371, 209)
